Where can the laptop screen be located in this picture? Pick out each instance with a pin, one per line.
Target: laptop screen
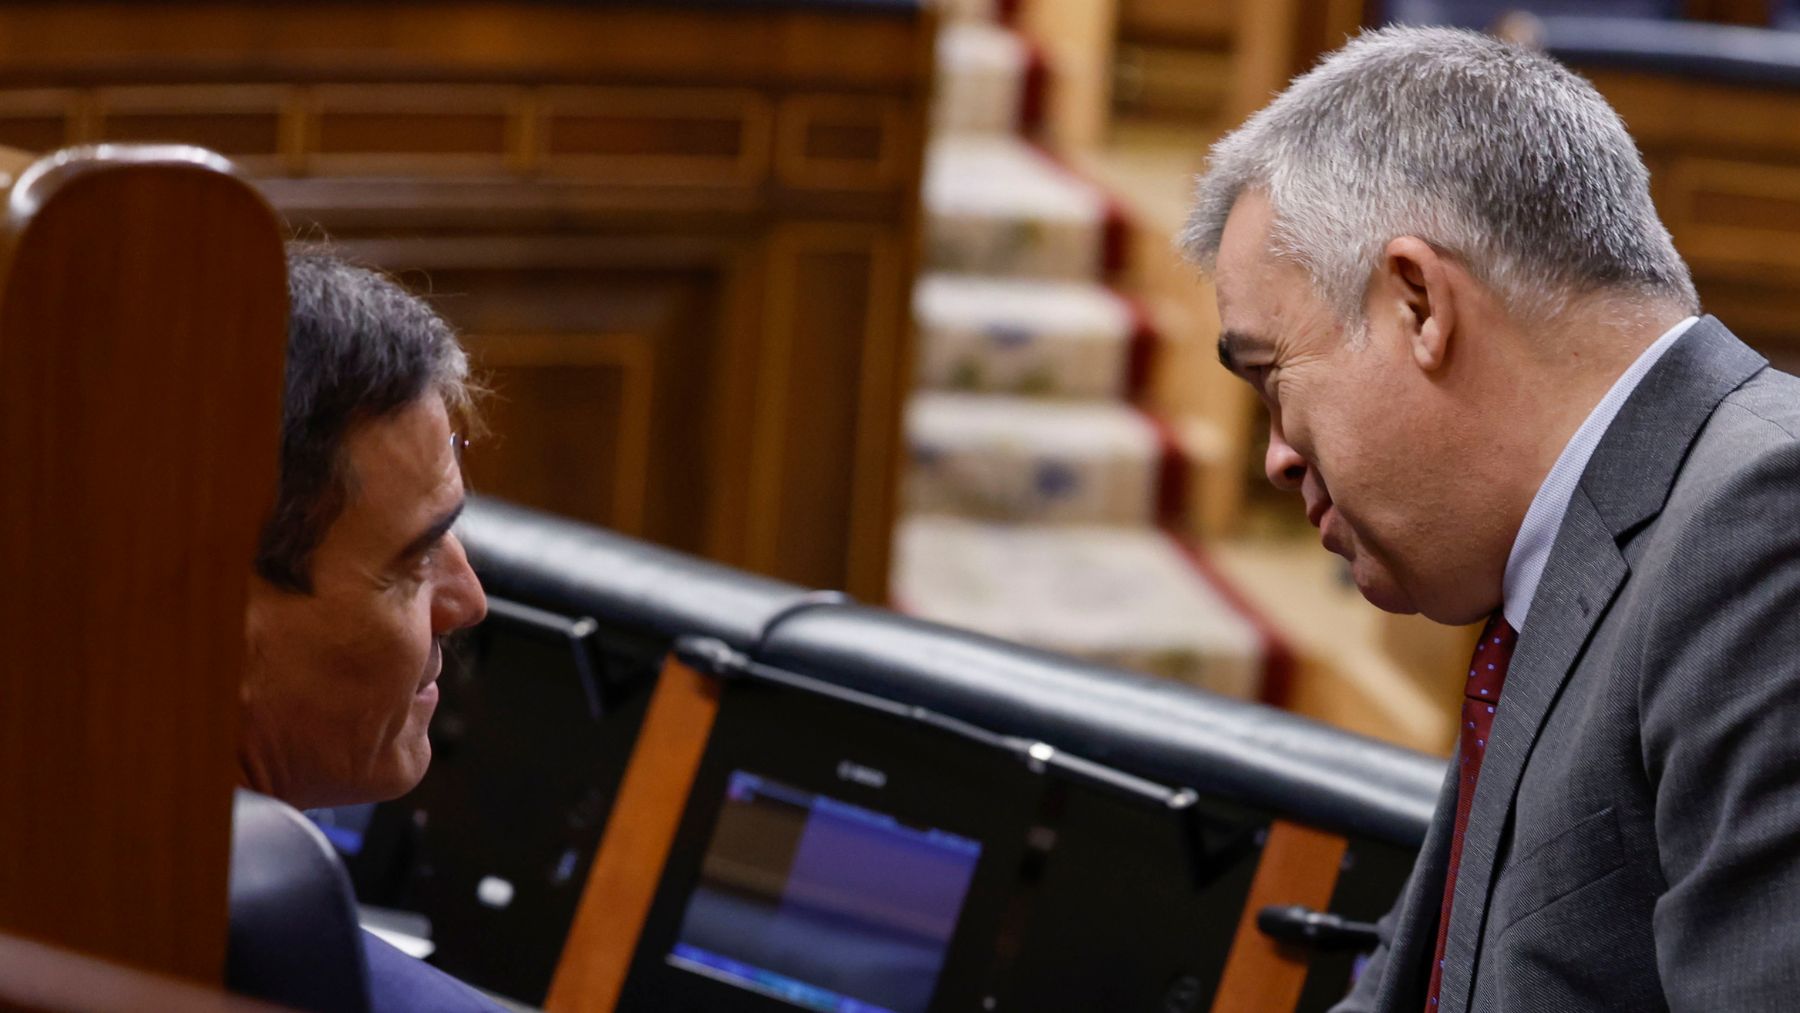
(823, 904)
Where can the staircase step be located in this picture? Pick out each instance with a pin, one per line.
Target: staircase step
(981, 70)
(998, 206)
(1025, 460)
(1028, 338)
(1128, 597)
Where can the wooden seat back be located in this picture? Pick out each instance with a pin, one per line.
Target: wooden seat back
(142, 327)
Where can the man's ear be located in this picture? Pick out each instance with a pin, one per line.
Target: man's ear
(1415, 281)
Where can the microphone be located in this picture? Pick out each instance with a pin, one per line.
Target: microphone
(1319, 930)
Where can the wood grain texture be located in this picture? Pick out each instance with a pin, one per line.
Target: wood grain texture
(34, 976)
(1722, 158)
(1278, 39)
(639, 834)
(141, 334)
(557, 398)
(1177, 21)
(1299, 866)
(457, 40)
(1754, 13)
(509, 142)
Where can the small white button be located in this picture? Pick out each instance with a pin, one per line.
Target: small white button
(494, 892)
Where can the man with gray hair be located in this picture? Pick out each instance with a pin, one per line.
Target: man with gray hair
(1437, 261)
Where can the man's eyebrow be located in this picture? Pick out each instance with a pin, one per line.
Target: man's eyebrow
(430, 536)
(1233, 344)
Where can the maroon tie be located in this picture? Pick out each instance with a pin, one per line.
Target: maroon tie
(1487, 671)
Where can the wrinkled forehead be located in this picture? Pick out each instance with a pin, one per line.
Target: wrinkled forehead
(1263, 294)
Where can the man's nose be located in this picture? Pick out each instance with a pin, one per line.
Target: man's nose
(460, 601)
(1282, 463)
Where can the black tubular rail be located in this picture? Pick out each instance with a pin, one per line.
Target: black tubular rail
(1288, 765)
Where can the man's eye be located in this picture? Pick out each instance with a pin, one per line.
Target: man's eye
(1264, 382)
(423, 563)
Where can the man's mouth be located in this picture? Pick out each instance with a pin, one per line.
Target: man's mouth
(1329, 534)
(1315, 514)
(434, 667)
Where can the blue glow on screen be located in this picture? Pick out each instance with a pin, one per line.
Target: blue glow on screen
(824, 904)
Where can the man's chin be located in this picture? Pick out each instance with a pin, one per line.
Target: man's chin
(405, 773)
(1379, 588)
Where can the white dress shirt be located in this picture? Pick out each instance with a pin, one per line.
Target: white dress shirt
(1544, 518)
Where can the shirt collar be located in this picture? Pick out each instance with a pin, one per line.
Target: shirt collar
(1543, 519)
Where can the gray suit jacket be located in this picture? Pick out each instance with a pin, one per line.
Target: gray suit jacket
(1635, 837)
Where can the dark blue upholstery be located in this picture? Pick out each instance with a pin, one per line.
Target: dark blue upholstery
(402, 984)
(1643, 35)
(294, 938)
(1759, 56)
(1483, 13)
(578, 569)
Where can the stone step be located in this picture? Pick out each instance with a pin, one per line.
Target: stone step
(998, 206)
(981, 74)
(1023, 337)
(1031, 461)
(1122, 596)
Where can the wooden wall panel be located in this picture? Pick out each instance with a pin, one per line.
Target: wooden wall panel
(601, 371)
(834, 142)
(248, 124)
(1725, 172)
(825, 407)
(1212, 63)
(570, 417)
(619, 133)
(460, 40)
(1756, 13)
(1738, 215)
(1688, 115)
(598, 195)
(413, 130)
(39, 119)
(1203, 22)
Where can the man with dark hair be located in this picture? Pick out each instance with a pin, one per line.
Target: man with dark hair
(358, 576)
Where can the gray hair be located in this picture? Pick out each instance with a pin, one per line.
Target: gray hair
(1490, 152)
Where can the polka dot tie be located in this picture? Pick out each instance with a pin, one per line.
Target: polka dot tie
(1481, 694)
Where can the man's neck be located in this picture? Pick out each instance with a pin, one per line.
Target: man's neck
(1569, 367)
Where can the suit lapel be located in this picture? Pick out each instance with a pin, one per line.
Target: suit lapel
(1625, 484)
(1407, 974)
(1583, 576)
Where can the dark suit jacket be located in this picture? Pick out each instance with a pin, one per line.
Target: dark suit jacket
(1635, 837)
(402, 984)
